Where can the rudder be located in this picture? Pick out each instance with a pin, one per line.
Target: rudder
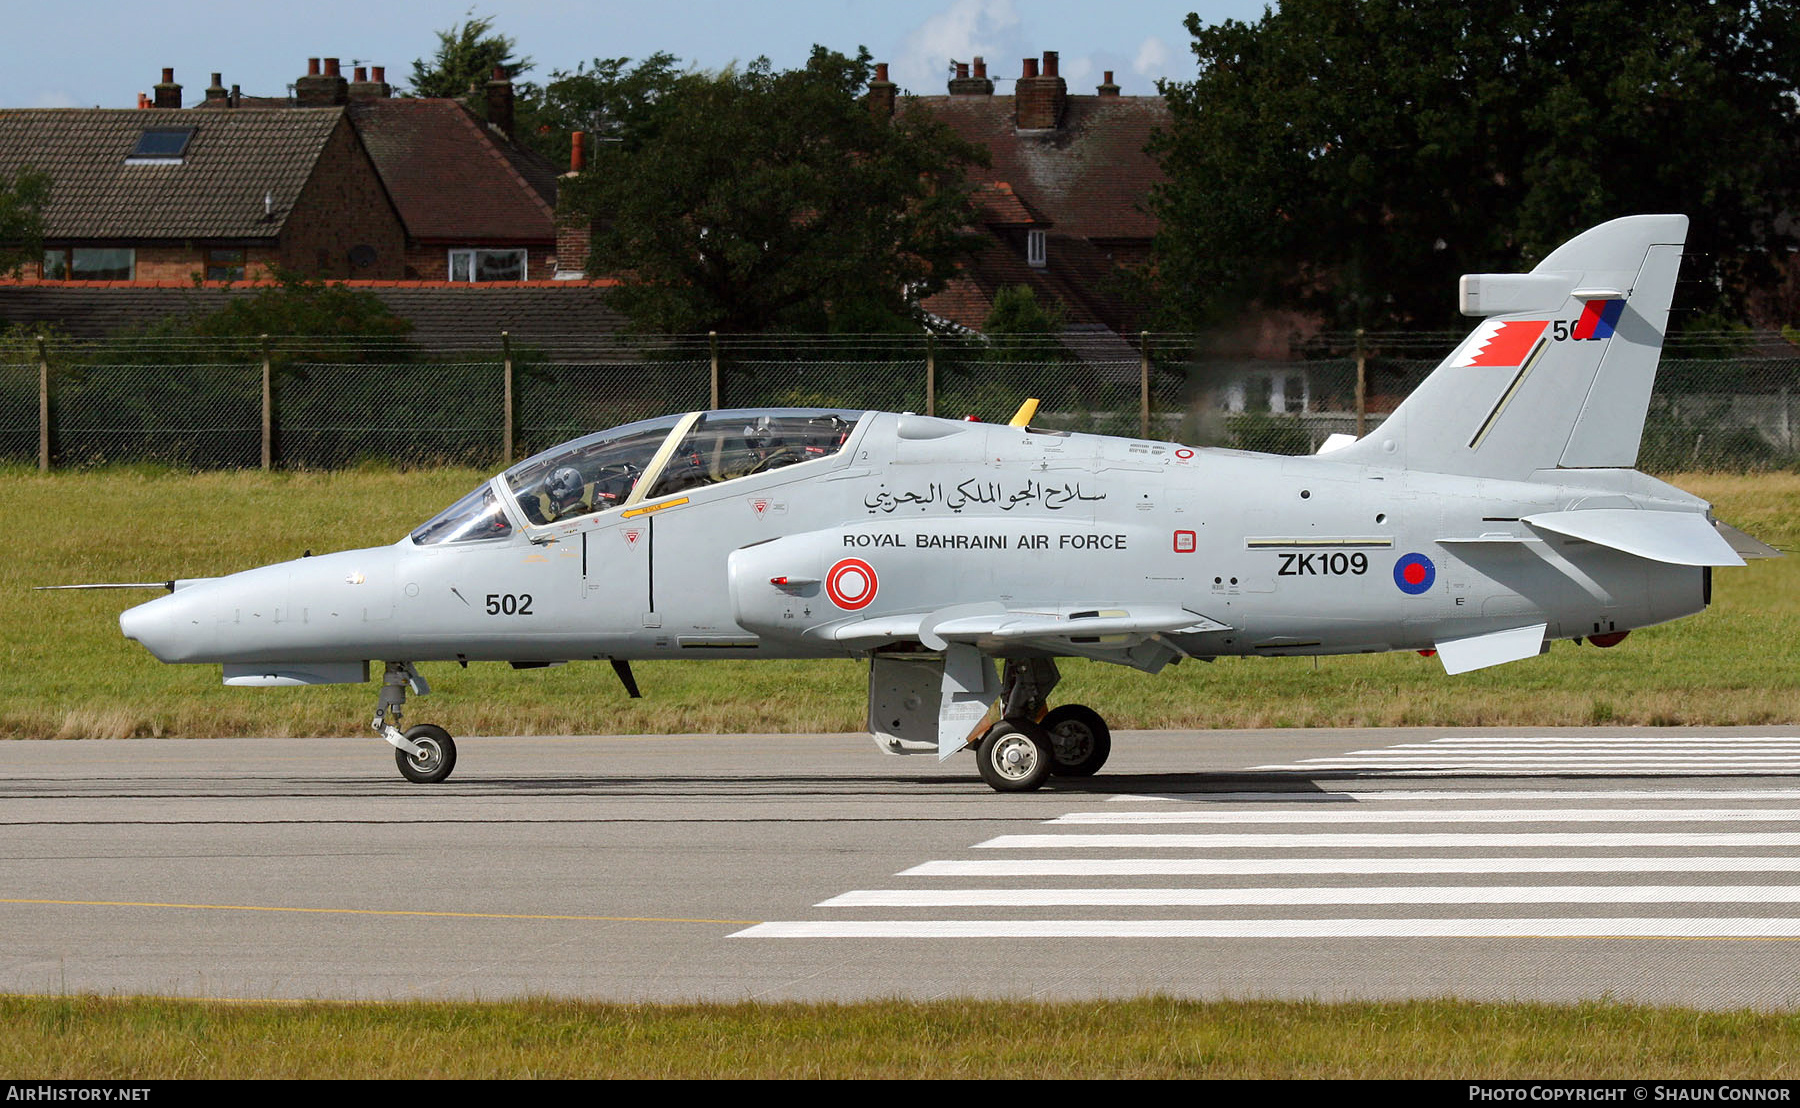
(1558, 375)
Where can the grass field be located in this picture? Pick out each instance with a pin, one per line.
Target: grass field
(98, 1038)
(65, 672)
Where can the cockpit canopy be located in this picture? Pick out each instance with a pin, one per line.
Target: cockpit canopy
(638, 461)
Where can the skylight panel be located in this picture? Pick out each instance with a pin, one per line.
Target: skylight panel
(160, 146)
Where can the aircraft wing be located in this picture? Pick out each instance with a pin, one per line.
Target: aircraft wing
(1109, 633)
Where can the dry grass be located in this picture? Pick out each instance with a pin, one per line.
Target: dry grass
(95, 1038)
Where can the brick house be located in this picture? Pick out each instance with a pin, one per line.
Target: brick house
(162, 194)
(339, 181)
(475, 205)
(1064, 202)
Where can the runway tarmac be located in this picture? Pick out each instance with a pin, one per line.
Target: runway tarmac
(1660, 865)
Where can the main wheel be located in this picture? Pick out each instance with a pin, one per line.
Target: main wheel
(1014, 756)
(438, 759)
(1079, 740)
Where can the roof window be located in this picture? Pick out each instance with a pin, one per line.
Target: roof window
(160, 146)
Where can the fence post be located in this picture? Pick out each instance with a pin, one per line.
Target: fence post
(1362, 385)
(1143, 384)
(712, 342)
(43, 407)
(506, 432)
(930, 374)
(268, 408)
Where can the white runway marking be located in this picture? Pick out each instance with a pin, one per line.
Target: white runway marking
(1351, 796)
(1678, 928)
(1348, 814)
(1528, 755)
(1370, 840)
(1315, 895)
(1238, 867)
(1486, 858)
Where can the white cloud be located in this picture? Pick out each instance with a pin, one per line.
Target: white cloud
(989, 28)
(56, 99)
(1153, 59)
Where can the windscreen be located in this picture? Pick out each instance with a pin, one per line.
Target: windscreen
(474, 518)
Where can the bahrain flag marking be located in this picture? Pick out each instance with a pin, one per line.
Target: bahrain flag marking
(1501, 343)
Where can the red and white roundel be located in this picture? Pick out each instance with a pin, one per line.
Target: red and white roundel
(851, 584)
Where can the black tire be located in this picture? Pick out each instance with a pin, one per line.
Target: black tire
(439, 759)
(1014, 756)
(1079, 740)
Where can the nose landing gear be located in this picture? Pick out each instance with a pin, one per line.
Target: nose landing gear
(424, 753)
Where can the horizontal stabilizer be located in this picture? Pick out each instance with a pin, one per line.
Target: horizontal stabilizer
(1481, 651)
(1677, 538)
(1747, 546)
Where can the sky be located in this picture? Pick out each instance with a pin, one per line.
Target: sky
(104, 52)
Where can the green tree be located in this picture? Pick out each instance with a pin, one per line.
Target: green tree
(316, 321)
(610, 100)
(1352, 157)
(466, 55)
(758, 200)
(22, 200)
(1019, 328)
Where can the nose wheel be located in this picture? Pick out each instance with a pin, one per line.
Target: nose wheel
(436, 757)
(424, 753)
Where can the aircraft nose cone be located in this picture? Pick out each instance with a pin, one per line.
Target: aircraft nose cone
(153, 625)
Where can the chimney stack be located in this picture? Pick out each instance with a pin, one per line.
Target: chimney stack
(216, 90)
(1107, 88)
(965, 85)
(500, 101)
(577, 152)
(321, 90)
(882, 93)
(1038, 101)
(363, 88)
(168, 93)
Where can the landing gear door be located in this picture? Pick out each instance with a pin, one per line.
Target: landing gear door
(929, 703)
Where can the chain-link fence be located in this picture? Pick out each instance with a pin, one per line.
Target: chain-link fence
(1721, 402)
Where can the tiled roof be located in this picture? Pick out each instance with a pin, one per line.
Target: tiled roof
(445, 316)
(1077, 279)
(234, 159)
(1089, 177)
(449, 179)
(1000, 204)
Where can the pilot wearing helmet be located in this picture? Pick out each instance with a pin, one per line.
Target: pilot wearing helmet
(565, 494)
(767, 446)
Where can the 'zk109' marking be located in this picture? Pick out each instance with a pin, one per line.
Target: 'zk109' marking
(1323, 565)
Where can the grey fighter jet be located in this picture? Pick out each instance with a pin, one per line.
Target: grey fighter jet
(1496, 510)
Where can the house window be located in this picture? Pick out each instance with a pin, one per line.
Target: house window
(89, 263)
(160, 146)
(1035, 249)
(487, 265)
(224, 265)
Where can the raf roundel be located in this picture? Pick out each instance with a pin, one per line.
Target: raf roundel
(851, 584)
(1414, 573)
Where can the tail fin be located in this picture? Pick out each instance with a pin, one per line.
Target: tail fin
(1558, 375)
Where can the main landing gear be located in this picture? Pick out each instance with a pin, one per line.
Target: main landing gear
(1030, 744)
(425, 753)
